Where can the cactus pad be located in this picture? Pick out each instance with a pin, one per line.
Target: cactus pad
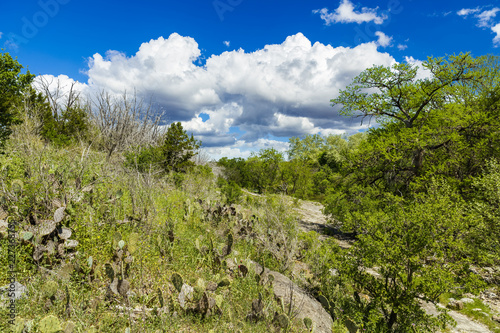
(177, 281)
(50, 324)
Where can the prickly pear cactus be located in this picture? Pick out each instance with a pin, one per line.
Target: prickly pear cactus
(326, 304)
(50, 288)
(59, 214)
(218, 300)
(224, 282)
(282, 320)
(16, 185)
(50, 324)
(133, 241)
(160, 298)
(110, 271)
(69, 327)
(308, 323)
(229, 242)
(177, 281)
(19, 325)
(116, 238)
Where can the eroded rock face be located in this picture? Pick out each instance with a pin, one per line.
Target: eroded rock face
(303, 305)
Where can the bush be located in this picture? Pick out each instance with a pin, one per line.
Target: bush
(71, 125)
(172, 152)
(278, 230)
(229, 190)
(12, 86)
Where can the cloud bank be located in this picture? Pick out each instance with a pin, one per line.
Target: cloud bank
(240, 101)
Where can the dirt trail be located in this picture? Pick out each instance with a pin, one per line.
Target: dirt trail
(313, 219)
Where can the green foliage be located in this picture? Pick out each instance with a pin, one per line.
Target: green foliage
(71, 125)
(236, 170)
(405, 191)
(144, 159)
(426, 256)
(307, 148)
(264, 169)
(173, 152)
(230, 191)
(278, 230)
(313, 163)
(12, 85)
(485, 210)
(178, 148)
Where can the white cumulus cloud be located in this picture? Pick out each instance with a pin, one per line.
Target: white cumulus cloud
(346, 13)
(496, 30)
(226, 42)
(422, 73)
(237, 98)
(383, 39)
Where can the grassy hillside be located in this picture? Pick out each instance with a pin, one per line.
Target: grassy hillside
(145, 230)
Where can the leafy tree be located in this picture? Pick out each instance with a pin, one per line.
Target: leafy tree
(172, 152)
(264, 169)
(298, 175)
(446, 124)
(416, 251)
(178, 148)
(236, 170)
(12, 85)
(403, 191)
(485, 210)
(423, 117)
(63, 116)
(307, 148)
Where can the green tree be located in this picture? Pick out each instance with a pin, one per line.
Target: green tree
(445, 124)
(236, 170)
(421, 118)
(264, 170)
(408, 251)
(172, 152)
(485, 210)
(12, 85)
(307, 148)
(403, 190)
(178, 148)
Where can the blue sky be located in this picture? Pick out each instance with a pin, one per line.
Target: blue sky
(240, 74)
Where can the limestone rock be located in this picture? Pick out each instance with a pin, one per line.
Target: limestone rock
(304, 305)
(18, 289)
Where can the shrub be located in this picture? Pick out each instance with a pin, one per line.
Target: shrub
(12, 86)
(229, 190)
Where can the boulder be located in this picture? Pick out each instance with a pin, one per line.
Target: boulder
(18, 289)
(303, 305)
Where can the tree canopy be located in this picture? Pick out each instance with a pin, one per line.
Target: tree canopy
(12, 84)
(406, 192)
